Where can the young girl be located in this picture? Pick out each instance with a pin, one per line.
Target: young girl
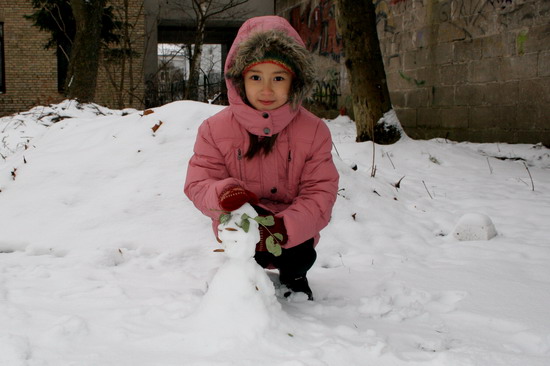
(267, 150)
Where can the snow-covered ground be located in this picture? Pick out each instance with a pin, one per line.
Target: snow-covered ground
(104, 261)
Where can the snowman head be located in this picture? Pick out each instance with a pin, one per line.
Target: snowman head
(238, 243)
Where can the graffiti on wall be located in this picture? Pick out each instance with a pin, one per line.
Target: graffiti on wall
(327, 90)
(475, 18)
(384, 14)
(317, 27)
(470, 18)
(316, 24)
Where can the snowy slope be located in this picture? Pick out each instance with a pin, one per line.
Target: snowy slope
(104, 261)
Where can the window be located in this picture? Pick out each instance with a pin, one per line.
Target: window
(2, 73)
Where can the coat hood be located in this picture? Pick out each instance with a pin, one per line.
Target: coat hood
(257, 38)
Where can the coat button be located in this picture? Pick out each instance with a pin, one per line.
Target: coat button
(267, 131)
(265, 115)
(274, 190)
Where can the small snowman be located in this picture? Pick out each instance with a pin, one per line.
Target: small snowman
(240, 300)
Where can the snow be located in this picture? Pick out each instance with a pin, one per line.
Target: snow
(104, 261)
(474, 226)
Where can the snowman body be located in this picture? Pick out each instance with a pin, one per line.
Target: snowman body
(241, 297)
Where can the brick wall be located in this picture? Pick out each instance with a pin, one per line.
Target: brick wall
(30, 70)
(110, 82)
(469, 70)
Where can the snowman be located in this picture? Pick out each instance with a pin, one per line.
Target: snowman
(240, 301)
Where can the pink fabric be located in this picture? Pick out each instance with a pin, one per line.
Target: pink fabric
(297, 181)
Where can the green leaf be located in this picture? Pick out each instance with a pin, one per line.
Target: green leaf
(279, 236)
(265, 221)
(273, 248)
(245, 224)
(224, 218)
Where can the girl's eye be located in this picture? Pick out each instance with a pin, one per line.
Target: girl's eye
(255, 77)
(279, 78)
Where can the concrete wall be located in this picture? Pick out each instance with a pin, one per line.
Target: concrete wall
(475, 70)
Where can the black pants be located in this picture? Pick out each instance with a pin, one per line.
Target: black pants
(292, 263)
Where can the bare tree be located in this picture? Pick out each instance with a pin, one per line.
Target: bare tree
(356, 21)
(119, 62)
(201, 12)
(85, 52)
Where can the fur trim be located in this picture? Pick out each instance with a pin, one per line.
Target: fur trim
(261, 43)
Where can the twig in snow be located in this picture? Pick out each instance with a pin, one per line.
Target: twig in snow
(373, 171)
(530, 177)
(398, 184)
(389, 157)
(337, 153)
(490, 167)
(342, 260)
(427, 190)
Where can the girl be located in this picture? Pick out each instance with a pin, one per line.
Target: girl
(267, 150)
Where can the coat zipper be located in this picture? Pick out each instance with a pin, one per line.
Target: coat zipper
(289, 170)
(239, 163)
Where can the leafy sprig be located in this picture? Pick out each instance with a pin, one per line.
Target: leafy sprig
(272, 242)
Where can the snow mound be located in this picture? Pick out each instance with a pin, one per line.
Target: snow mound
(474, 226)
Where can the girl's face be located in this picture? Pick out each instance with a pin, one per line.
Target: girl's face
(267, 86)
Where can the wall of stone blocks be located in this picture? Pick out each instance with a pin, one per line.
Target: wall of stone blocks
(470, 70)
(475, 70)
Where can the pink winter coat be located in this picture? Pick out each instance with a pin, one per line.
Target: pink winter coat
(297, 181)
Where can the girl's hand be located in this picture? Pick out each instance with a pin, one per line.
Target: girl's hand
(234, 197)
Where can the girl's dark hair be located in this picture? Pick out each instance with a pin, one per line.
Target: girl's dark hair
(257, 145)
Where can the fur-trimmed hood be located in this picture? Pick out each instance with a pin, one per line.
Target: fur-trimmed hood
(256, 37)
(262, 36)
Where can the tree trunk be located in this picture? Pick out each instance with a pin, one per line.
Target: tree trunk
(84, 63)
(192, 90)
(356, 21)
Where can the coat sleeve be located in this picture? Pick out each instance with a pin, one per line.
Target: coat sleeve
(207, 175)
(311, 210)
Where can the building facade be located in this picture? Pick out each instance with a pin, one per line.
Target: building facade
(30, 73)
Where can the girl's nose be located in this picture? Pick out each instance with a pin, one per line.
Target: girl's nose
(267, 87)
